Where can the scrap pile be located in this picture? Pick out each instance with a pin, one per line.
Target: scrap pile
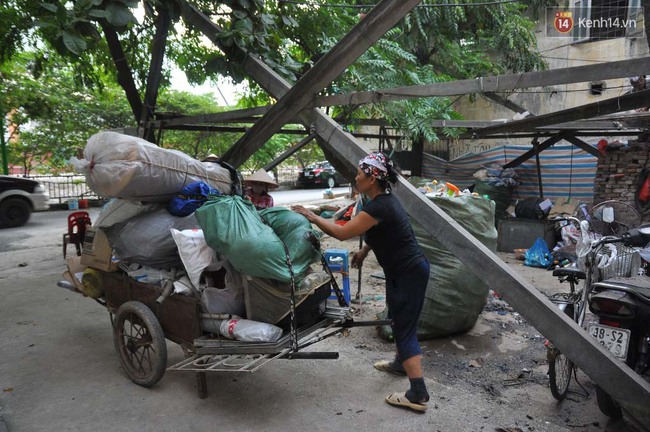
(173, 219)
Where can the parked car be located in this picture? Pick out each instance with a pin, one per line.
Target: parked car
(320, 174)
(19, 197)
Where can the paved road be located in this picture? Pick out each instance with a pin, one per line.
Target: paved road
(294, 196)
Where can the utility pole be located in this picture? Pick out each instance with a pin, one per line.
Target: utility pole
(3, 148)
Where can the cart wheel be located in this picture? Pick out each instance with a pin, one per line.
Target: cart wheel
(140, 343)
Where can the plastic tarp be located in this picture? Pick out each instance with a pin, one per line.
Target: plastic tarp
(455, 296)
(122, 166)
(146, 239)
(234, 229)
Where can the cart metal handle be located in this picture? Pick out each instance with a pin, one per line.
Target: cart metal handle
(312, 355)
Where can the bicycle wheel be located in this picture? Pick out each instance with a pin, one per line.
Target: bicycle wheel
(140, 343)
(612, 217)
(560, 369)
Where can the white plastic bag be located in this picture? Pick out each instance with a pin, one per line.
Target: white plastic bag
(127, 167)
(249, 331)
(183, 286)
(194, 252)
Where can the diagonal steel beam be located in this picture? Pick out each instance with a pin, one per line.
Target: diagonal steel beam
(493, 84)
(532, 152)
(607, 106)
(290, 151)
(584, 146)
(617, 379)
(361, 37)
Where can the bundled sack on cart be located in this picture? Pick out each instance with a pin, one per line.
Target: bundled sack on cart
(146, 238)
(269, 301)
(118, 210)
(455, 296)
(122, 166)
(236, 231)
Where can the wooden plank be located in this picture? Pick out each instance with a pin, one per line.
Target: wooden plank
(470, 124)
(584, 146)
(232, 116)
(617, 379)
(494, 84)
(361, 37)
(290, 151)
(532, 152)
(578, 125)
(511, 105)
(623, 103)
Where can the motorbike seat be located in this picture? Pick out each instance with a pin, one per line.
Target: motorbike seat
(569, 272)
(640, 284)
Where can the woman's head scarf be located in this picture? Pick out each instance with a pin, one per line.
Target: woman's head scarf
(376, 164)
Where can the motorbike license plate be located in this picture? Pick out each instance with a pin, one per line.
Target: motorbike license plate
(616, 340)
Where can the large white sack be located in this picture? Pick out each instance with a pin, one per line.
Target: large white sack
(117, 210)
(122, 166)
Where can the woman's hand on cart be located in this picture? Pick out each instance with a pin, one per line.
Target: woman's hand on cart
(310, 215)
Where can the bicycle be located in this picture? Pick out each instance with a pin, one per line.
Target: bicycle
(574, 304)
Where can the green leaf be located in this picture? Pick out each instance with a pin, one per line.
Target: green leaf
(42, 24)
(240, 14)
(244, 26)
(98, 13)
(73, 42)
(119, 15)
(49, 6)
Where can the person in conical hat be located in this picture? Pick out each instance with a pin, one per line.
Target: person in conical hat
(211, 158)
(257, 189)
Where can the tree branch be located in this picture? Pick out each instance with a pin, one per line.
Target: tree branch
(124, 74)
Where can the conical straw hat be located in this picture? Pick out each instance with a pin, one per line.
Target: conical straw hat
(261, 176)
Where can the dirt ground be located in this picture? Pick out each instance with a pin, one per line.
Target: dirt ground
(502, 356)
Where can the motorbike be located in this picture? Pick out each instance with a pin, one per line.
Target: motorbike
(622, 308)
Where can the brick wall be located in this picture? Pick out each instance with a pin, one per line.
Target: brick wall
(618, 172)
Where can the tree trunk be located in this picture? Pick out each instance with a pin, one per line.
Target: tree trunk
(124, 74)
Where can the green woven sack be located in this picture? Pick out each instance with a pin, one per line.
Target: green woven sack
(233, 228)
(296, 232)
(455, 296)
